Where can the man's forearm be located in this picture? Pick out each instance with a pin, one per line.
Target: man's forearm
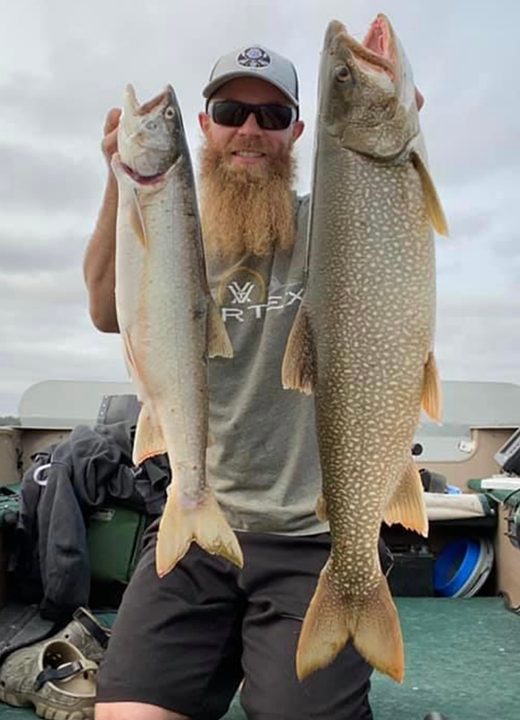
(99, 263)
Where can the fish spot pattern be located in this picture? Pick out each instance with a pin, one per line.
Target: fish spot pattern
(371, 304)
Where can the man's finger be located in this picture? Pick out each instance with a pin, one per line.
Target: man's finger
(419, 98)
(112, 120)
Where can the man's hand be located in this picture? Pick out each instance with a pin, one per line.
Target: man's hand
(109, 142)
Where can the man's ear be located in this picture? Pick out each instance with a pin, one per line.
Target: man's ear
(204, 122)
(297, 129)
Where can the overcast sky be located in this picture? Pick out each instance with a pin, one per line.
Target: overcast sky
(63, 65)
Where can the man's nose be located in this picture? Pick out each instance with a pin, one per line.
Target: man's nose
(250, 126)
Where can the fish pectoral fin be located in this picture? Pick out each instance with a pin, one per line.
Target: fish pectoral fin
(219, 344)
(149, 440)
(407, 505)
(299, 362)
(321, 508)
(137, 222)
(132, 364)
(204, 524)
(128, 352)
(433, 204)
(333, 618)
(431, 399)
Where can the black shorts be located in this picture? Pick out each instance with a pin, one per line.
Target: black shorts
(185, 642)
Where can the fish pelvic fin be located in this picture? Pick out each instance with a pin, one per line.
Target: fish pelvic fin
(321, 508)
(333, 618)
(149, 440)
(204, 524)
(299, 363)
(219, 343)
(431, 390)
(407, 505)
(433, 204)
(137, 222)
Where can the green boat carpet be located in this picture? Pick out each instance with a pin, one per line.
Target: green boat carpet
(462, 660)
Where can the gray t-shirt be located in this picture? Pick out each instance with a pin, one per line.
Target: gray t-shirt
(264, 463)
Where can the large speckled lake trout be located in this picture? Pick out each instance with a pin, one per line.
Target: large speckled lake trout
(168, 320)
(363, 337)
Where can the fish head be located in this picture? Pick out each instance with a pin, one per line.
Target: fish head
(150, 136)
(366, 91)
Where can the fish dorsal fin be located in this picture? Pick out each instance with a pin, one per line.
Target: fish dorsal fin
(149, 440)
(433, 204)
(219, 343)
(431, 399)
(407, 505)
(137, 222)
(299, 364)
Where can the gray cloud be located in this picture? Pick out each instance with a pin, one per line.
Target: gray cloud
(31, 251)
(73, 66)
(45, 179)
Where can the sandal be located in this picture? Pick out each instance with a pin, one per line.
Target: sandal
(54, 677)
(86, 633)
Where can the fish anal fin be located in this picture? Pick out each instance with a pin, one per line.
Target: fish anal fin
(333, 618)
(433, 204)
(299, 363)
(321, 508)
(219, 343)
(205, 523)
(407, 505)
(137, 222)
(149, 440)
(431, 399)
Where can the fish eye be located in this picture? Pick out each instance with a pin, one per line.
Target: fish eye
(169, 113)
(342, 73)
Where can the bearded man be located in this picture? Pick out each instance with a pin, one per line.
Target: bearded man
(182, 645)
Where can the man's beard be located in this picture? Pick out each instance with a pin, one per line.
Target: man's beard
(246, 208)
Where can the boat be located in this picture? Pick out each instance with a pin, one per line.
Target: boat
(458, 591)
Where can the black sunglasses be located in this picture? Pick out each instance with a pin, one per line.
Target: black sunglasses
(234, 114)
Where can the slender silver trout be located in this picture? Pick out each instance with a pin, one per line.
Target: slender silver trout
(168, 320)
(363, 338)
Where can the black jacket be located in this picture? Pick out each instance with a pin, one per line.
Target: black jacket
(91, 467)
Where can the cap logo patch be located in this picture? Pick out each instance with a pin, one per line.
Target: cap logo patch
(254, 57)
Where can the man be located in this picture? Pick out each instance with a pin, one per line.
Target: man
(182, 645)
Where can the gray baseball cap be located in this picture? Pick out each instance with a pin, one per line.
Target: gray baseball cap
(259, 62)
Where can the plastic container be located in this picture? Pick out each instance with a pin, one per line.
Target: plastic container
(462, 567)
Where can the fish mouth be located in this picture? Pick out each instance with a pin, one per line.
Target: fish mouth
(378, 49)
(163, 99)
(143, 179)
(380, 43)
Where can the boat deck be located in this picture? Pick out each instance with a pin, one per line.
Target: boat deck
(462, 659)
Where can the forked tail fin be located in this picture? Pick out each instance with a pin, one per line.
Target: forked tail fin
(333, 618)
(204, 524)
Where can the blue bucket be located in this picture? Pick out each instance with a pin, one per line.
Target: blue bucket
(462, 567)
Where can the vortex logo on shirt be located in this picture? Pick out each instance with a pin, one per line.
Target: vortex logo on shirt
(242, 293)
(241, 286)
